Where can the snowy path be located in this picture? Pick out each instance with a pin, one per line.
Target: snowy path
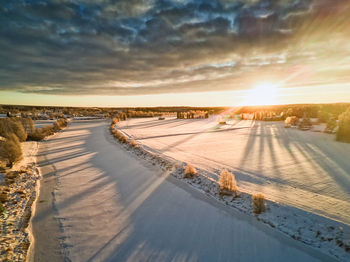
(112, 207)
(307, 170)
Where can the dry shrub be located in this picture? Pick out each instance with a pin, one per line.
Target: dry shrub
(258, 203)
(190, 171)
(133, 143)
(37, 135)
(11, 150)
(118, 135)
(227, 183)
(121, 137)
(60, 124)
(41, 133)
(48, 130)
(10, 126)
(19, 131)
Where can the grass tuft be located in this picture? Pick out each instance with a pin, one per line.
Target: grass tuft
(190, 171)
(258, 203)
(227, 183)
(118, 135)
(133, 143)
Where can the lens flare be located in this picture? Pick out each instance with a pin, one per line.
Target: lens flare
(263, 94)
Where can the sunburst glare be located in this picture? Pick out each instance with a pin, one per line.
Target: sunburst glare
(263, 94)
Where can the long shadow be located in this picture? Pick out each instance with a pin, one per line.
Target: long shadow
(63, 158)
(250, 144)
(319, 159)
(94, 188)
(60, 150)
(152, 124)
(326, 163)
(193, 133)
(151, 220)
(270, 146)
(65, 138)
(261, 152)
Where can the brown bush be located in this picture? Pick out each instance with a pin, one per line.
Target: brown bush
(123, 138)
(19, 131)
(11, 150)
(133, 143)
(60, 124)
(41, 133)
(190, 171)
(37, 135)
(118, 135)
(258, 203)
(48, 130)
(12, 126)
(227, 183)
(28, 125)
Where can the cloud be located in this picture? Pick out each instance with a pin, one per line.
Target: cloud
(149, 47)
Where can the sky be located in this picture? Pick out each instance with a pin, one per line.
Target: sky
(174, 52)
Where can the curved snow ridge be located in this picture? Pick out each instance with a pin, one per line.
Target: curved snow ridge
(329, 236)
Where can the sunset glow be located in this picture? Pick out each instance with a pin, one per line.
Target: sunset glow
(150, 53)
(262, 94)
(175, 130)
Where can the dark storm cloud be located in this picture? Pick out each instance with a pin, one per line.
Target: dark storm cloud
(161, 46)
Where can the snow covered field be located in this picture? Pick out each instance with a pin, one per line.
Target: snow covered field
(304, 169)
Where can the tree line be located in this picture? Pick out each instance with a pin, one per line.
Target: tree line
(14, 130)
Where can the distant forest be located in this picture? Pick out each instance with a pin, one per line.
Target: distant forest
(322, 111)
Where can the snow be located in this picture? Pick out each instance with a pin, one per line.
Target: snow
(293, 211)
(113, 206)
(29, 151)
(306, 170)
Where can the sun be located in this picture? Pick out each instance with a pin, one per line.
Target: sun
(263, 94)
